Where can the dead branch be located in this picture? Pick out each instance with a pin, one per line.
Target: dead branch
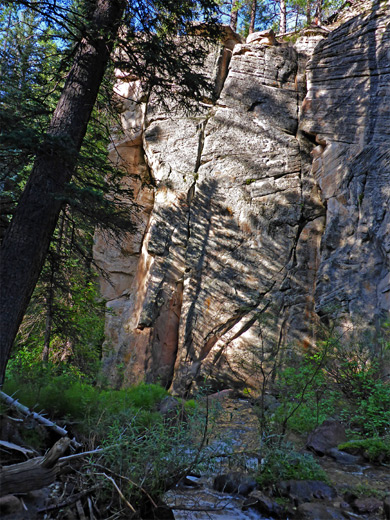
(65, 460)
(4, 445)
(33, 474)
(14, 403)
(70, 500)
(119, 491)
(128, 480)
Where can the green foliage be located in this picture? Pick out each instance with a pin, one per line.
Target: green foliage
(339, 378)
(375, 449)
(284, 464)
(363, 490)
(354, 368)
(370, 416)
(190, 406)
(303, 392)
(62, 393)
(147, 458)
(151, 459)
(313, 412)
(76, 322)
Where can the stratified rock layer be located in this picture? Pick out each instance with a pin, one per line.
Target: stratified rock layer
(347, 108)
(250, 232)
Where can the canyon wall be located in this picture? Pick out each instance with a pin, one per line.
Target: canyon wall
(261, 215)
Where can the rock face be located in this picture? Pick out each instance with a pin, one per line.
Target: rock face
(347, 108)
(261, 213)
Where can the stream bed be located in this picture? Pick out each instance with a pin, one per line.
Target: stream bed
(204, 503)
(237, 431)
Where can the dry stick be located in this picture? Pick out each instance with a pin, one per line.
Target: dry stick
(119, 491)
(14, 403)
(80, 510)
(65, 460)
(90, 508)
(71, 500)
(128, 480)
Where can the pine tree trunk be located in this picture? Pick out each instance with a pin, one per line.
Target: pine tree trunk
(253, 16)
(318, 14)
(283, 17)
(308, 12)
(27, 239)
(234, 15)
(48, 324)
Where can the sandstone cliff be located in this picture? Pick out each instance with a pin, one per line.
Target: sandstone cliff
(261, 214)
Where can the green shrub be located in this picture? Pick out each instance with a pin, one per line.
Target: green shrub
(284, 464)
(371, 416)
(68, 397)
(338, 378)
(190, 406)
(147, 455)
(304, 395)
(375, 449)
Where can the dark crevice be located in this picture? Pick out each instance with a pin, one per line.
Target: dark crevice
(310, 137)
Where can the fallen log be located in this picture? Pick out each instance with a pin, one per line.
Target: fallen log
(14, 403)
(33, 474)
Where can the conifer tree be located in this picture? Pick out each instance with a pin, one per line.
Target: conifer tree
(148, 48)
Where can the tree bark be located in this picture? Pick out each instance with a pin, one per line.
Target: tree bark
(283, 17)
(318, 13)
(253, 16)
(308, 12)
(32, 474)
(234, 15)
(27, 239)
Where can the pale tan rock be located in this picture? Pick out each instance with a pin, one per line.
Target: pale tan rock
(262, 37)
(265, 212)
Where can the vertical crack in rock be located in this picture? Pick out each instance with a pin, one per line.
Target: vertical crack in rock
(173, 145)
(238, 245)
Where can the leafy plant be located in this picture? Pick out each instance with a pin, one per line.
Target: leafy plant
(147, 457)
(375, 449)
(284, 464)
(339, 378)
(67, 396)
(301, 389)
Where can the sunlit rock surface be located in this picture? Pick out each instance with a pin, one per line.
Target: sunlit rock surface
(261, 213)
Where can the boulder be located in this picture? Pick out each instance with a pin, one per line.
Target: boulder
(265, 37)
(367, 505)
(9, 505)
(328, 435)
(234, 482)
(172, 409)
(265, 505)
(299, 491)
(343, 457)
(316, 511)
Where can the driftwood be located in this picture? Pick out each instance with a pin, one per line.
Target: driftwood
(34, 473)
(14, 403)
(10, 446)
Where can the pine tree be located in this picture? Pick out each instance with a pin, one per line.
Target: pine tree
(147, 46)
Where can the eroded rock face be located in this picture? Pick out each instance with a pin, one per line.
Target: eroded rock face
(251, 229)
(347, 108)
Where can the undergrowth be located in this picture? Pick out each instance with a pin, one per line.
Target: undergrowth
(283, 463)
(85, 407)
(375, 450)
